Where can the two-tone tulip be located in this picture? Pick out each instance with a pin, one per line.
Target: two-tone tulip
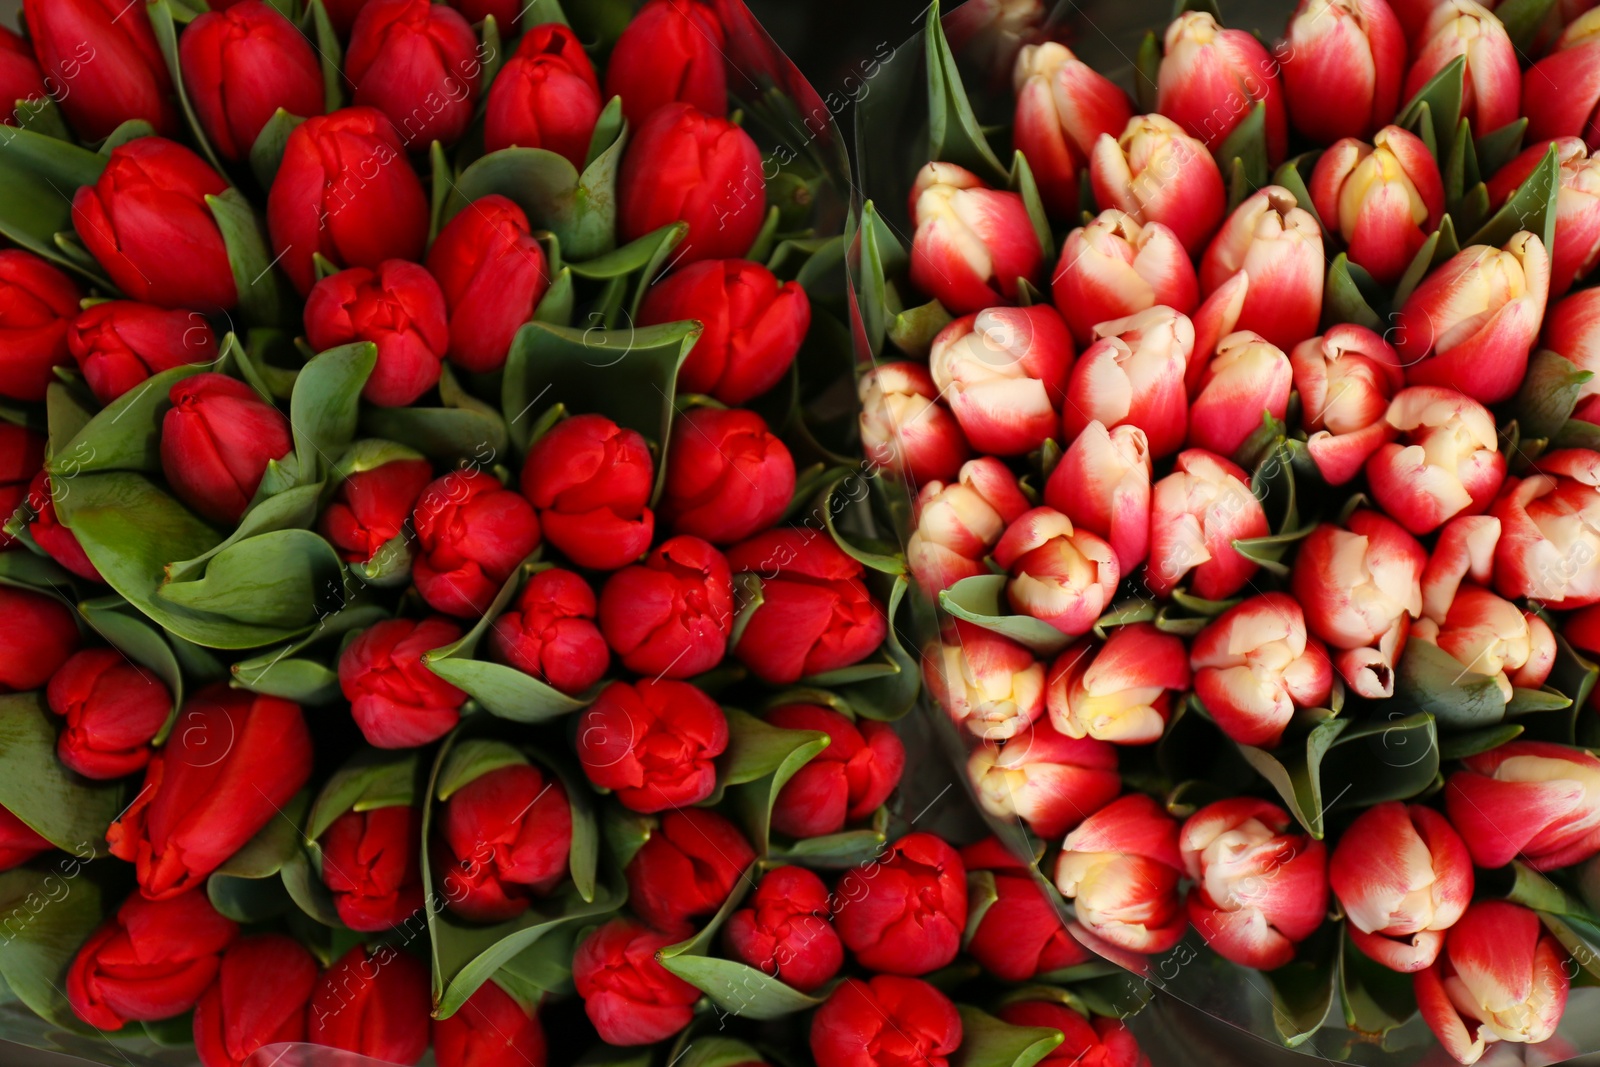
(1572, 329)
(1119, 691)
(1019, 934)
(1113, 267)
(1279, 246)
(1102, 484)
(1059, 574)
(1345, 379)
(1576, 248)
(1561, 92)
(957, 523)
(1245, 380)
(103, 63)
(1134, 374)
(240, 66)
(1550, 531)
(1342, 65)
(1157, 173)
(1063, 107)
(1444, 460)
(1491, 637)
(1046, 778)
(904, 428)
(418, 63)
(1196, 513)
(1121, 868)
(546, 96)
(985, 682)
(493, 273)
(1212, 78)
(1255, 665)
(1493, 81)
(120, 343)
(1003, 372)
(972, 244)
(1529, 800)
(1383, 199)
(672, 50)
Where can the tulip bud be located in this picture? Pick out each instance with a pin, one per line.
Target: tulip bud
(1247, 379)
(1049, 780)
(120, 343)
(728, 477)
(1560, 92)
(373, 1004)
(551, 633)
(216, 442)
(885, 1020)
(493, 275)
(1121, 867)
(591, 481)
(1383, 199)
(845, 782)
(903, 912)
(1550, 537)
(1120, 692)
(669, 617)
(104, 65)
(1019, 934)
(19, 842)
(1572, 329)
(233, 761)
(58, 542)
(370, 865)
(629, 997)
(686, 869)
(37, 305)
(989, 683)
(816, 614)
(1527, 800)
(394, 698)
(37, 634)
(752, 326)
(957, 524)
(1157, 173)
(150, 961)
(689, 166)
(1492, 637)
(1279, 245)
(504, 838)
(472, 532)
(546, 96)
(1211, 79)
(972, 244)
(1063, 108)
(1345, 379)
(1254, 666)
(263, 988)
(1113, 267)
(240, 66)
(1470, 324)
(372, 508)
(1403, 877)
(345, 189)
(180, 263)
(20, 77)
(652, 743)
(1493, 79)
(904, 429)
(1500, 978)
(1196, 514)
(398, 308)
(1576, 249)
(1342, 65)
(1360, 588)
(1105, 1040)
(418, 63)
(1258, 888)
(1445, 462)
(783, 930)
(672, 50)
(1134, 374)
(21, 459)
(490, 1030)
(113, 709)
(1003, 372)
(1102, 483)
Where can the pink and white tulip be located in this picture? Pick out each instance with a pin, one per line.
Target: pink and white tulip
(1049, 780)
(904, 428)
(1134, 374)
(1121, 868)
(1383, 199)
(1247, 379)
(1157, 173)
(1255, 665)
(1343, 61)
(1212, 78)
(957, 523)
(1576, 248)
(1119, 691)
(1493, 78)
(987, 683)
(1063, 107)
(1346, 379)
(972, 244)
(1445, 460)
(1572, 329)
(1114, 267)
(1059, 574)
(1279, 245)
(1003, 371)
(1196, 513)
(1549, 548)
(1491, 636)
(1561, 92)
(1102, 483)
(1528, 800)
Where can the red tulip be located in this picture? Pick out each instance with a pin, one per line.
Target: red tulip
(1247, 379)
(903, 912)
(1048, 779)
(493, 275)
(21, 459)
(883, 1021)
(345, 189)
(752, 326)
(551, 632)
(472, 532)
(1003, 372)
(1279, 245)
(372, 508)
(1549, 540)
(957, 524)
(629, 997)
(342, 13)
(686, 869)
(972, 244)
(1134, 374)
(1196, 514)
(1345, 379)
(120, 343)
(904, 430)
(1561, 91)
(491, 1029)
(1576, 249)
(240, 66)
(417, 62)
(147, 220)
(1254, 666)
(395, 699)
(988, 683)
(399, 308)
(816, 613)
(113, 709)
(1063, 107)
(1403, 878)
(1019, 935)
(1103, 1042)
(216, 442)
(1492, 637)
(37, 305)
(103, 64)
(1102, 484)
(1212, 78)
(1112, 267)
(504, 838)
(37, 634)
(373, 1004)
(1342, 65)
(1445, 462)
(259, 998)
(506, 12)
(1060, 575)
(20, 77)
(1528, 800)
(669, 617)
(1120, 691)
(845, 782)
(652, 743)
(19, 842)
(546, 96)
(1572, 329)
(686, 165)
(1464, 550)
(58, 542)
(1157, 173)
(672, 50)
(591, 481)
(728, 477)
(1383, 199)
(151, 960)
(1121, 867)
(1493, 80)
(783, 930)
(370, 865)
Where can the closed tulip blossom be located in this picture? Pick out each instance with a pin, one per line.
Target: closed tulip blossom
(957, 523)
(1112, 267)
(1383, 199)
(472, 532)
(984, 681)
(551, 634)
(113, 709)
(1212, 78)
(120, 343)
(1050, 780)
(370, 864)
(105, 62)
(1532, 801)
(1576, 248)
(216, 442)
(972, 244)
(1342, 65)
(546, 96)
(493, 273)
(1360, 586)
(492, 1028)
(1403, 877)
(1121, 868)
(21, 460)
(669, 617)
(1279, 246)
(1255, 666)
(1196, 514)
(396, 307)
(37, 635)
(1156, 172)
(728, 476)
(20, 77)
(672, 50)
(1491, 636)
(1572, 330)
(1063, 107)
(503, 839)
(240, 66)
(1444, 462)
(1019, 935)
(38, 304)
(1102, 483)
(1060, 575)
(904, 911)
(845, 782)
(260, 998)
(394, 698)
(1489, 99)
(57, 541)
(1104, 1040)
(1134, 374)
(418, 63)
(1003, 372)
(1120, 691)
(629, 997)
(591, 481)
(1550, 531)
(1345, 380)
(369, 513)
(687, 868)
(1247, 379)
(1260, 886)
(1501, 977)
(652, 743)
(885, 1020)
(1561, 91)
(373, 1003)
(150, 960)
(785, 930)
(904, 428)
(19, 842)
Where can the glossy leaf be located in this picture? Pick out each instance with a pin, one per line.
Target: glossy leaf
(759, 761)
(1432, 680)
(38, 177)
(373, 778)
(323, 407)
(988, 1042)
(126, 434)
(47, 917)
(954, 133)
(980, 600)
(66, 809)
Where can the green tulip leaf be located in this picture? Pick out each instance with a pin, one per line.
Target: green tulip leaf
(981, 896)
(1531, 207)
(879, 252)
(584, 852)
(912, 331)
(845, 849)
(1432, 680)
(48, 916)
(283, 672)
(717, 1052)
(320, 31)
(835, 506)
(1549, 393)
(464, 428)
(131, 130)
(144, 645)
(1392, 758)
(579, 209)
(890, 693)
(980, 600)
(1374, 998)
(543, 967)
(1461, 745)
(739, 990)
(162, 20)
(265, 854)
(292, 509)
(1577, 434)
(1291, 175)
(285, 579)
(248, 900)
(1303, 989)
(64, 808)
(1345, 299)
(954, 133)
(1523, 19)
(323, 407)
(126, 434)
(1243, 155)
(1533, 701)
(1433, 112)
(42, 115)
(1498, 147)
(39, 176)
(301, 879)
(1572, 924)
(371, 779)
(267, 153)
(1294, 770)
(262, 296)
(759, 761)
(1439, 247)
(470, 760)
(988, 1042)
